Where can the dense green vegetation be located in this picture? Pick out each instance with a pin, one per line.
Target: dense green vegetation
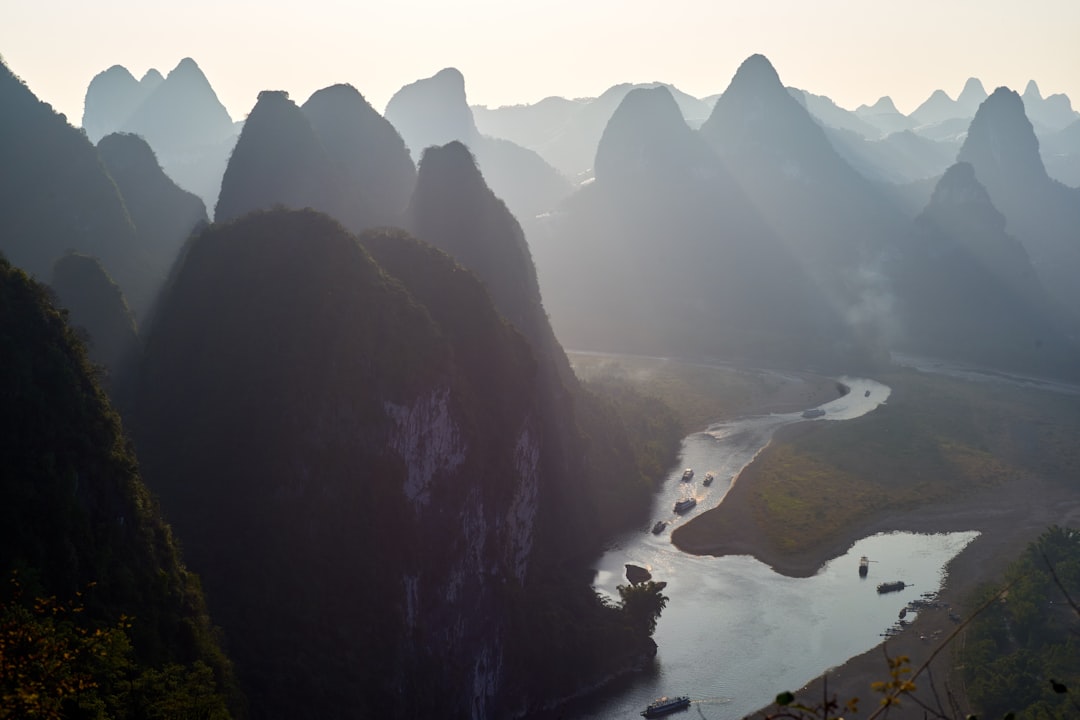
(1020, 651)
(632, 439)
(76, 518)
(320, 412)
(55, 195)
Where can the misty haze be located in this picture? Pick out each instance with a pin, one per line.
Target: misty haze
(721, 400)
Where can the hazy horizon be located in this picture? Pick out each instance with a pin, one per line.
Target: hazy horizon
(523, 52)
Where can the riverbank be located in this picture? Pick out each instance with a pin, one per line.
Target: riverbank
(701, 393)
(1009, 509)
(1008, 518)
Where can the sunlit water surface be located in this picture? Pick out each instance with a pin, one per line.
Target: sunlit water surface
(735, 633)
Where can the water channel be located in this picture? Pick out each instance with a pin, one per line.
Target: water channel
(734, 632)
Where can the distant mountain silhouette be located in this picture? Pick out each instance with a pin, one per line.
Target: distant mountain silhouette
(112, 97)
(368, 151)
(164, 215)
(1041, 213)
(182, 112)
(572, 147)
(829, 218)
(1061, 154)
(970, 98)
(1051, 113)
(57, 196)
(180, 116)
(832, 115)
(666, 250)
(936, 108)
(434, 111)
(970, 292)
(884, 116)
(279, 160)
(530, 126)
(900, 157)
(96, 304)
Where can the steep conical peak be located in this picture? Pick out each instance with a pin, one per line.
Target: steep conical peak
(187, 65)
(647, 123)
(433, 111)
(972, 94)
(959, 186)
(188, 72)
(756, 71)
(110, 99)
(134, 151)
(882, 106)
(369, 150)
(151, 77)
(939, 106)
(451, 76)
(452, 162)
(651, 109)
(278, 159)
(115, 74)
(1001, 141)
(1031, 92)
(338, 92)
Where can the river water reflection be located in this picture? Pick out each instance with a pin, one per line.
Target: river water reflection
(735, 633)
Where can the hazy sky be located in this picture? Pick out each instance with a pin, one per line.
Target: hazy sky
(515, 51)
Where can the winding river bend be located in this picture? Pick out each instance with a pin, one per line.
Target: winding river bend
(735, 633)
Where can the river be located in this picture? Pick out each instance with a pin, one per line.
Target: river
(735, 633)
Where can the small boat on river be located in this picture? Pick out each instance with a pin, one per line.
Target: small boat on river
(866, 394)
(709, 477)
(688, 474)
(813, 413)
(888, 587)
(665, 705)
(864, 566)
(685, 504)
(658, 527)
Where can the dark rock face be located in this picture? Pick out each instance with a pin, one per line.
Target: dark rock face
(363, 416)
(279, 160)
(368, 151)
(1041, 213)
(96, 304)
(74, 510)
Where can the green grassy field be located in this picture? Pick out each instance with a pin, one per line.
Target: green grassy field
(935, 439)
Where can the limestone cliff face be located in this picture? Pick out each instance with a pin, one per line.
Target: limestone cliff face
(352, 461)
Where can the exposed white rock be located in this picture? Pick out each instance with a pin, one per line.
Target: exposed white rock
(428, 440)
(521, 516)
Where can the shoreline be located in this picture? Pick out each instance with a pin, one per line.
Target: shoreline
(1007, 517)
